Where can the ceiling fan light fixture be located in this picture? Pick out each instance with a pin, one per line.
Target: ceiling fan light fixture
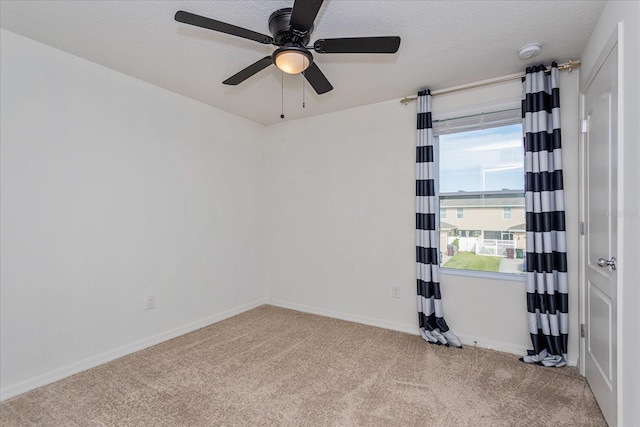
(292, 59)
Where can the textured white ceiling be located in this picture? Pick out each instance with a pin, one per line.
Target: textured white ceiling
(444, 44)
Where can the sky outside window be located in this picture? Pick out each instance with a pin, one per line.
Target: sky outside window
(482, 160)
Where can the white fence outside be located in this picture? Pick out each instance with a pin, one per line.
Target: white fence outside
(487, 247)
(465, 244)
(494, 247)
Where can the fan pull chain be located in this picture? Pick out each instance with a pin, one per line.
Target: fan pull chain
(303, 89)
(282, 95)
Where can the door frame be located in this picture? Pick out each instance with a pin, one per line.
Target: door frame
(615, 41)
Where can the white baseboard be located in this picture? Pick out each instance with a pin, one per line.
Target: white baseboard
(371, 321)
(517, 349)
(470, 341)
(411, 329)
(91, 362)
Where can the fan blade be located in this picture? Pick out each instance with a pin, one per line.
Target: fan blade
(212, 24)
(358, 45)
(249, 71)
(317, 80)
(304, 13)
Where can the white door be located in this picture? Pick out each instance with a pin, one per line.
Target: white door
(601, 228)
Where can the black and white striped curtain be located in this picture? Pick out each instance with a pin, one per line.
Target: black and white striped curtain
(433, 327)
(546, 257)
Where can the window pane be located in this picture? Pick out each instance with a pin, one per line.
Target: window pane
(482, 160)
(482, 178)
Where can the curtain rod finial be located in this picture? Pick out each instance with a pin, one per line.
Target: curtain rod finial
(407, 100)
(569, 66)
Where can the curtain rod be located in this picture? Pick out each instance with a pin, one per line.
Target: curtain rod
(568, 66)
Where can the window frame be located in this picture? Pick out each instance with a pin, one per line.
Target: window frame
(513, 104)
(506, 210)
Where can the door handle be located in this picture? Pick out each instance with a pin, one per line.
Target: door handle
(607, 263)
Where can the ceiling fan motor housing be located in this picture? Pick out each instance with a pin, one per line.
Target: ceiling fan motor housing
(280, 28)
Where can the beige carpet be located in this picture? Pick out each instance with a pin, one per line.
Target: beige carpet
(277, 367)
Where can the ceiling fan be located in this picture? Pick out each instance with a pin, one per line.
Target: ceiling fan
(291, 29)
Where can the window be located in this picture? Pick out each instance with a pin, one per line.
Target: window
(481, 175)
(443, 212)
(507, 235)
(491, 234)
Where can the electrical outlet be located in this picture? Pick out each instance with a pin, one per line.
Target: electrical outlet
(151, 302)
(395, 292)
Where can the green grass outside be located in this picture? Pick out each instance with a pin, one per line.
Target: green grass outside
(471, 261)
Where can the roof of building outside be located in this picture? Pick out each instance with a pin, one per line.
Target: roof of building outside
(481, 201)
(519, 227)
(445, 226)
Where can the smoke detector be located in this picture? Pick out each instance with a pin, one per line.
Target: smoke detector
(528, 51)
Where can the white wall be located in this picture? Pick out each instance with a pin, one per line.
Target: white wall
(112, 190)
(626, 13)
(341, 216)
